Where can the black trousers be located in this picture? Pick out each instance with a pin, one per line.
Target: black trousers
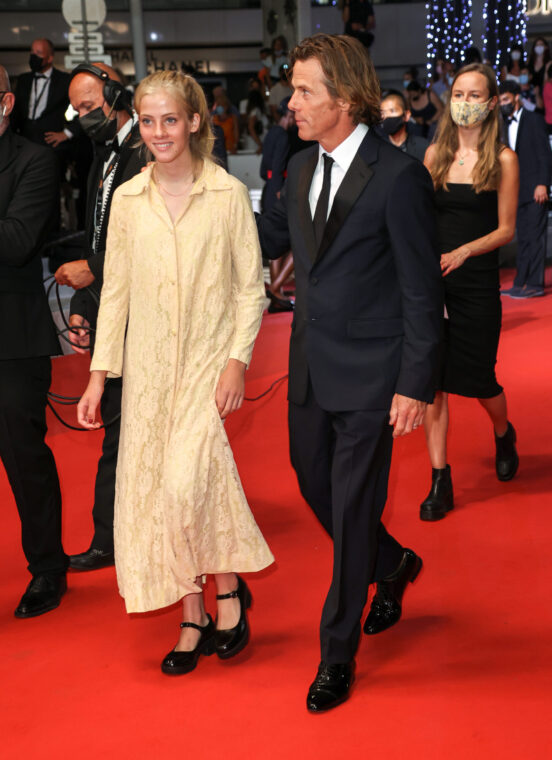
(104, 490)
(531, 228)
(342, 461)
(29, 462)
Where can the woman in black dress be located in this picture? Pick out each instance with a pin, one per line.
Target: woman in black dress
(476, 182)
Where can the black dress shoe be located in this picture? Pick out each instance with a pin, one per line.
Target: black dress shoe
(178, 663)
(231, 641)
(386, 607)
(507, 460)
(92, 559)
(43, 594)
(440, 499)
(330, 687)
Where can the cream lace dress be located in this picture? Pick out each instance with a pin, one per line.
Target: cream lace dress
(178, 301)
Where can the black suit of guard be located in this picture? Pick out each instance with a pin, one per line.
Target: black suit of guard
(535, 168)
(368, 315)
(85, 303)
(29, 195)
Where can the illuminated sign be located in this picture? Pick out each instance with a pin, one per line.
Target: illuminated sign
(540, 8)
(86, 43)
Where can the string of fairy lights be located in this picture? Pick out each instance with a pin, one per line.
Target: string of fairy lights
(448, 29)
(505, 27)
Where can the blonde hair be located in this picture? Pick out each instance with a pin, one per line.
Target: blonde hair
(486, 173)
(186, 91)
(348, 71)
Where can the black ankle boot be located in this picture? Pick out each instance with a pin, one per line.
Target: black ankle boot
(440, 499)
(507, 459)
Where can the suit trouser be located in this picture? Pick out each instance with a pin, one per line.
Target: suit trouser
(29, 462)
(104, 489)
(342, 461)
(531, 227)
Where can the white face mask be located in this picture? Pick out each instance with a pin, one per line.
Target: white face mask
(539, 49)
(515, 55)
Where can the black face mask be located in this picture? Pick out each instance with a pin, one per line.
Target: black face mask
(98, 126)
(507, 110)
(392, 124)
(35, 63)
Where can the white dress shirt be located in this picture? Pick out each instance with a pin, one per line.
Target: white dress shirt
(343, 157)
(513, 127)
(40, 89)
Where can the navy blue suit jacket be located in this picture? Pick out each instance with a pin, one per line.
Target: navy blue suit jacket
(29, 196)
(534, 154)
(369, 301)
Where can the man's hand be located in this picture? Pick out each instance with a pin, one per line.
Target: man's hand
(231, 388)
(541, 194)
(406, 414)
(77, 274)
(79, 335)
(55, 138)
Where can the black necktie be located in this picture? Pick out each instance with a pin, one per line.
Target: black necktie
(321, 213)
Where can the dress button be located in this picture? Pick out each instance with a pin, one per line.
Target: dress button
(314, 281)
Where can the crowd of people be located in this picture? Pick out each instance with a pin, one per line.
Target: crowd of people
(388, 208)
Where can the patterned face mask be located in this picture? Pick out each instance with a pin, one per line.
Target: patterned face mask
(468, 114)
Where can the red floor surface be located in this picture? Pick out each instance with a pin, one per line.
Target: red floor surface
(466, 673)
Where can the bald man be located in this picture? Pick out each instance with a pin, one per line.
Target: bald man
(104, 110)
(41, 99)
(29, 194)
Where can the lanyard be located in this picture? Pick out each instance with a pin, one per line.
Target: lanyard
(37, 97)
(106, 183)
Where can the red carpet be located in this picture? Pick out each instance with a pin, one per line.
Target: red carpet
(466, 673)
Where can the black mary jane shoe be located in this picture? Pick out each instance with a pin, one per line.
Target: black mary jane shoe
(231, 641)
(278, 304)
(178, 663)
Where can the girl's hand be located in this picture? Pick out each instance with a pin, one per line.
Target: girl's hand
(453, 260)
(231, 388)
(90, 401)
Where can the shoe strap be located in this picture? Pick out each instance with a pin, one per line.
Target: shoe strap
(231, 595)
(196, 626)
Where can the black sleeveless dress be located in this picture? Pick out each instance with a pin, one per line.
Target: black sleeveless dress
(472, 293)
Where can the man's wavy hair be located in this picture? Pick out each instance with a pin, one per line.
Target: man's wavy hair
(348, 70)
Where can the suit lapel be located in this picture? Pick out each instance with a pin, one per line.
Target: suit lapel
(353, 184)
(305, 216)
(520, 127)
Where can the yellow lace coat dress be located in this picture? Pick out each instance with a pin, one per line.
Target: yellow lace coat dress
(178, 301)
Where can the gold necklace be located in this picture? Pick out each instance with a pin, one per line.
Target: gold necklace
(176, 195)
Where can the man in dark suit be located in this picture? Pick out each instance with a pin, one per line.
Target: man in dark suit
(41, 99)
(29, 193)
(394, 120)
(104, 110)
(525, 132)
(359, 217)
